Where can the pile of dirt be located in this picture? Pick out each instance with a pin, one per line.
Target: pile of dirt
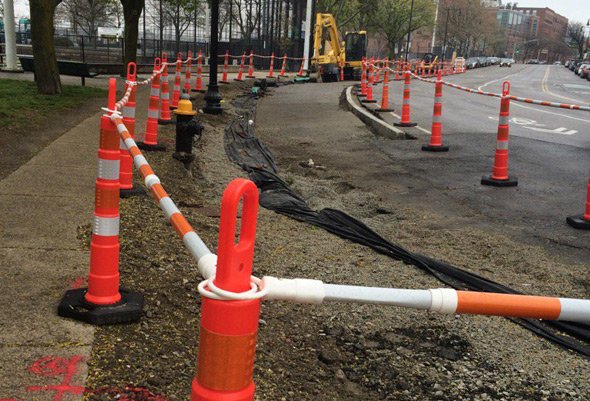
(332, 351)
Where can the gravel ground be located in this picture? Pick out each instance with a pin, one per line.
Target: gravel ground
(332, 351)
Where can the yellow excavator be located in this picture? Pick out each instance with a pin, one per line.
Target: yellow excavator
(330, 53)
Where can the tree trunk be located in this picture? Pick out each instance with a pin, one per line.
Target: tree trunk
(131, 13)
(42, 30)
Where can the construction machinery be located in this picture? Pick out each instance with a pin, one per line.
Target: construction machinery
(330, 53)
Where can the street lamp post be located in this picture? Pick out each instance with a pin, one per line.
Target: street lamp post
(213, 97)
(409, 30)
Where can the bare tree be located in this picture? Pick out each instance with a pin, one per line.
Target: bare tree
(88, 15)
(577, 38)
(245, 16)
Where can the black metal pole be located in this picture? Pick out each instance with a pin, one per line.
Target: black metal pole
(213, 97)
(161, 29)
(143, 44)
(409, 30)
(445, 38)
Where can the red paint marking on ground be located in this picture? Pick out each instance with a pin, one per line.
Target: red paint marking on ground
(8, 399)
(53, 366)
(77, 283)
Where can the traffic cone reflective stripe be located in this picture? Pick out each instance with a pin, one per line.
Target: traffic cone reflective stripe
(272, 66)
(385, 94)
(150, 140)
(227, 339)
(436, 144)
(225, 67)
(165, 115)
(187, 78)
(199, 78)
(241, 71)
(500, 175)
(176, 92)
(251, 66)
(405, 120)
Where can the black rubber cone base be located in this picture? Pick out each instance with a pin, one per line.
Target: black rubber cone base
(405, 124)
(384, 110)
(250, 76)
(166, 122)
(74, 306)
(128, 193)
(151, 148)
(430, 148)
(224, 82)
(488, 180)
(578, 221)
(368, 101)
(238, 80)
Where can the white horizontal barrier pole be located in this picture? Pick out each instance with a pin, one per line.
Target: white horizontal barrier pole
(420, 299)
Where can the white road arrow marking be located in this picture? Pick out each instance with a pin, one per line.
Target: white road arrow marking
(560, 130)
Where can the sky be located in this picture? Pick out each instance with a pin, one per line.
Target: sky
(576, 10)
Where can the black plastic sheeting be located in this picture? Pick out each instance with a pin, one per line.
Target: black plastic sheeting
(244, 149)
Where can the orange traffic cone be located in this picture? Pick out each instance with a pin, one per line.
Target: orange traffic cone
(385, 94)
(150, 139)
(251, 66)
(199, 78)
(500, 177)
(241, 72)
(436, 144)
(582, 220)
(370, 75)
(363, 78)
(405, 120)
(225, 67)
(300, 73)
(272, 66)
(103, 302)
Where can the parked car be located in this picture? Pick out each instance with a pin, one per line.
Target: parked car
(585, 71)
(575, 64)
(557, 62)
(493, 60)
(506, 62)
(472, 62)
(578, 70)
(532, 61)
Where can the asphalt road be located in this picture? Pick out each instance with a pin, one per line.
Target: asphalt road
(552, 168)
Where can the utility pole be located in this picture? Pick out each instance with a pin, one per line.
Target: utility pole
(10, 37)
(435, 26)
(213, 97)
(307, 35)
(409, 30)
(161, 28)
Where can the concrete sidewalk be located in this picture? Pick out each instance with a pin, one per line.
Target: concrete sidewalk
(43, 203)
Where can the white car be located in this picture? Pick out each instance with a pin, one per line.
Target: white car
(506, 62)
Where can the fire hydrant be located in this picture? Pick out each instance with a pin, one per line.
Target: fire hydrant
(187, 128)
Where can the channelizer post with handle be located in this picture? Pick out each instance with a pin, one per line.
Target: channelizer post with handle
(165, 115)
(300, 73)
(499, 176)
(199, 76)
(241, 71)
(435, 144)
(385, 95)
(126, 165)
(272, 66)
(251, 66)
(370, 76)
(225, 67)
(283, 66)
(227, 337)
(150, 138)
(363, 78)
(582, 220)
(103, 302)
(187, 76)
(177, 77)
(406, 120)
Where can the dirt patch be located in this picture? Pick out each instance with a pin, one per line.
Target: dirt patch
(332, 351)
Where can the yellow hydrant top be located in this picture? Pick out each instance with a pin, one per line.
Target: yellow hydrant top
(185, 107)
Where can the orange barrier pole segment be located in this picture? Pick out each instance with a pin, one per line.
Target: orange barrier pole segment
(282, 73)
(509, 305)
(251, 66)
(500, 177)
(300, 73)
(176, 92)
(199, 79)
(150, 139)
(225, 67)
(385, 94)
(582, 220)
(241, 72)
(103, 302)
(165, 115)
(436, 144)
(227, 337)
(405, 120)
(363, 78)
(126, 162)
(369, 98)
(272, 66)
(187, 77)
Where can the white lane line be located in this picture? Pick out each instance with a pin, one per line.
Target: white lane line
(548, 112)
(417, 126)
(499, 79)
(547, 91)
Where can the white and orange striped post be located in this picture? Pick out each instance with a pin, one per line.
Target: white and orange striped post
(300, 73)
(165, 115)
(150, 139)
(126, 163)
(177, 78)
(499, 176)
(225, 67)
(405, 120)
(103, 302)
(436, 144)
(251, 66)
(272, 66)
(199, 77)
(385, 94)
(241, 71)
(187, 77)
(283, 66)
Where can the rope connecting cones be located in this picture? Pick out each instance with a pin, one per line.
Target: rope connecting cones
(150, 139)
(126, 162)
(199, 77)
(500, 177)
(582, 220)
(227, 337)
(385, 95)
(103, 302)
(436, 144)
(225, 67)
(251, 66)
(405, 120)
(241, 72)
(176, 92)
(165, 115)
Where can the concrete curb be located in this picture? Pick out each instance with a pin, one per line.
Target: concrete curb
(378, 126)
